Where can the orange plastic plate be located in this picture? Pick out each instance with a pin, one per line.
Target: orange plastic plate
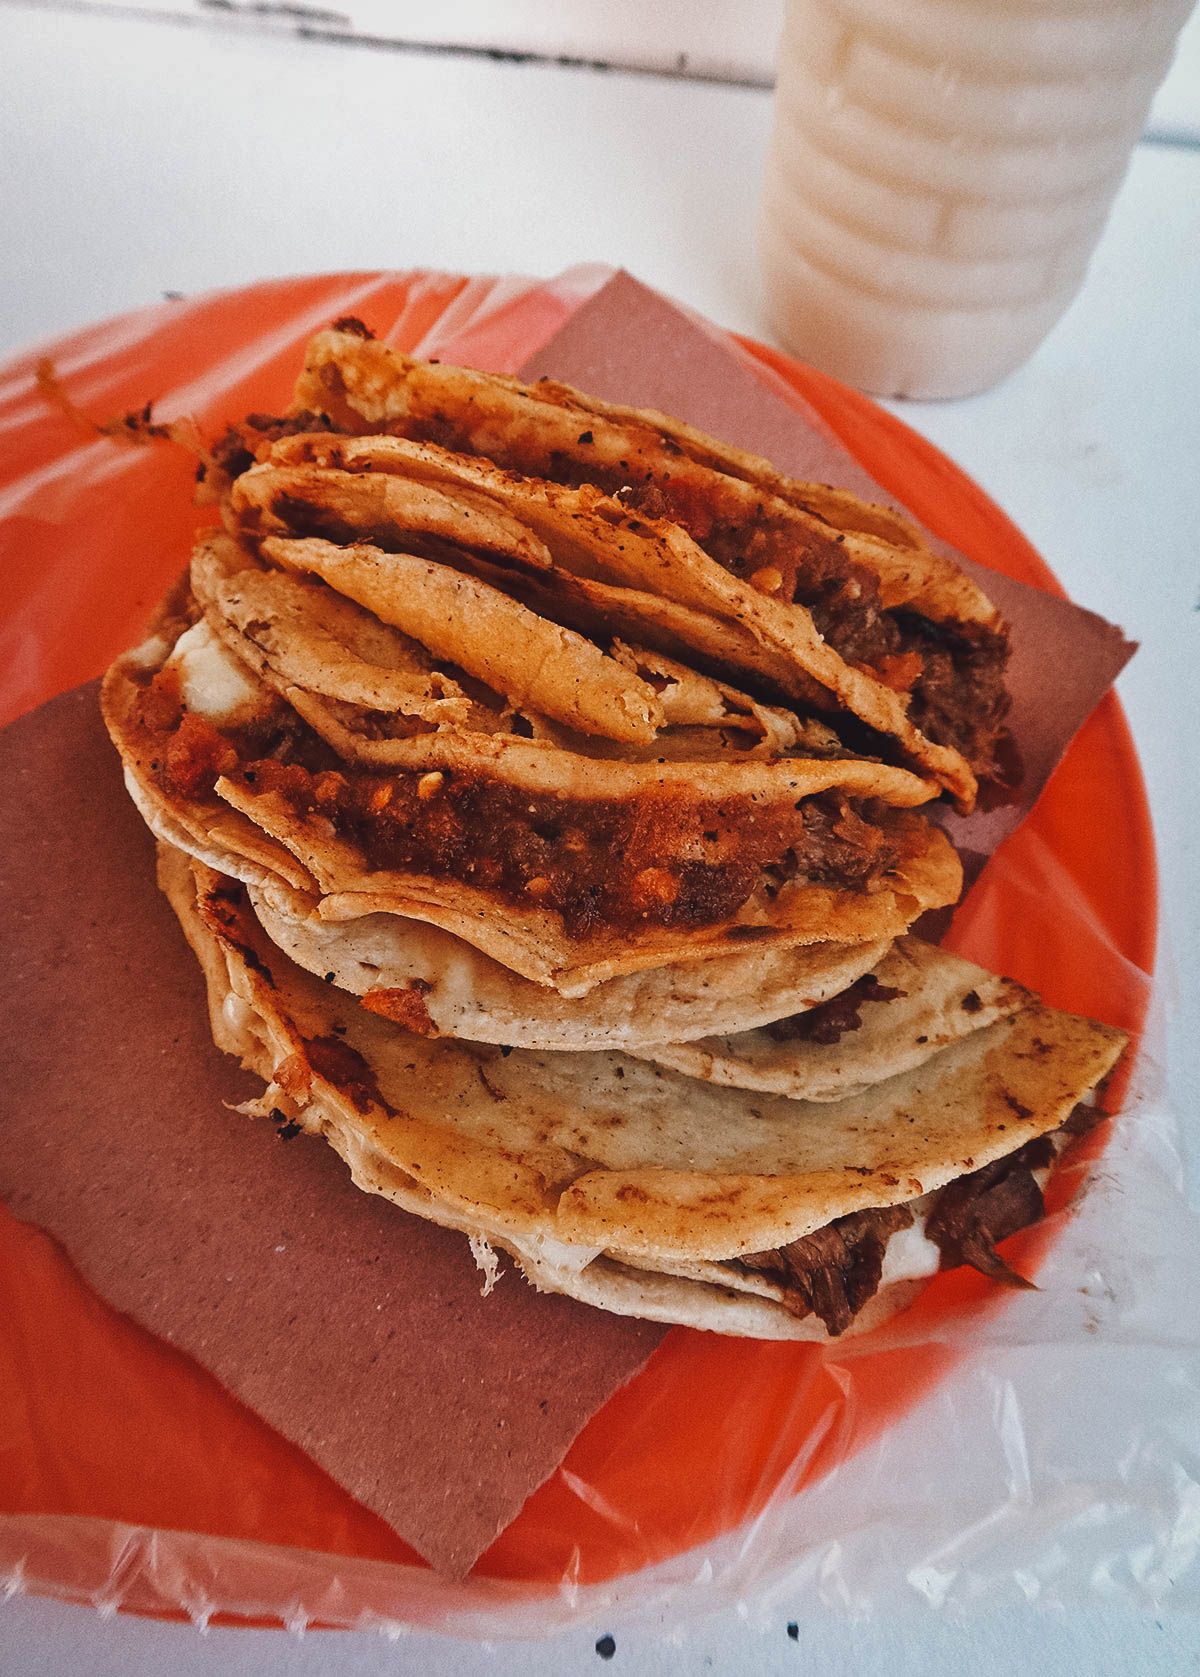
(96, 1417)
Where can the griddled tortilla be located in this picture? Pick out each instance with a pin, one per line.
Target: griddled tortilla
(597, 567)
(570, 869)
(626, 1183)
(914, 1002)
(348, 668)
(437, 985)
(920, 651)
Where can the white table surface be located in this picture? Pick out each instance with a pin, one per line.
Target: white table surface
(138, 156)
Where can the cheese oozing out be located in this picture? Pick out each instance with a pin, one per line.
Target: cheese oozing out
(211, 682)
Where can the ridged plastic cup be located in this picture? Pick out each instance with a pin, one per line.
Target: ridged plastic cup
(940, 172)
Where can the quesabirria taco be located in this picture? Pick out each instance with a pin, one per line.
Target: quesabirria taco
(635, 1188)
(574, 810)
(889, 630)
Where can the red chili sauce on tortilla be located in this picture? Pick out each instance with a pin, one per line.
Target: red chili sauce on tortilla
(667, 858)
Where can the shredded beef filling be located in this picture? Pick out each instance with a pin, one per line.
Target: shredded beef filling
(954, 672)
(830, 1021)
(816, 572)
(833, 1272)
(972, 1214)
(960, 698)
(667, 858)
(236, 451)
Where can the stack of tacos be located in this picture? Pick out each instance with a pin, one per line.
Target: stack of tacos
(544, 789)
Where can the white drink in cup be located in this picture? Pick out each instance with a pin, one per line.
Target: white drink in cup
(939, 174)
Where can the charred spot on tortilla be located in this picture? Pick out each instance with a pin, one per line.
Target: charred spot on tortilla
(287, 1129)
(224, 906)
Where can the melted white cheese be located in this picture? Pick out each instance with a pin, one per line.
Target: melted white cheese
(211, 681)
(548, 1251)
(239, 1015)
(910, 1255)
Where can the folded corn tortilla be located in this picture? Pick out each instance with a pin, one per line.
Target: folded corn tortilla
(437, 985)
(346, 668)
(915, 1001)
(627, 1184)
(895, 633)
(621, 840)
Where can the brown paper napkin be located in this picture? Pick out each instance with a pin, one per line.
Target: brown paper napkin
(357, 1331)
